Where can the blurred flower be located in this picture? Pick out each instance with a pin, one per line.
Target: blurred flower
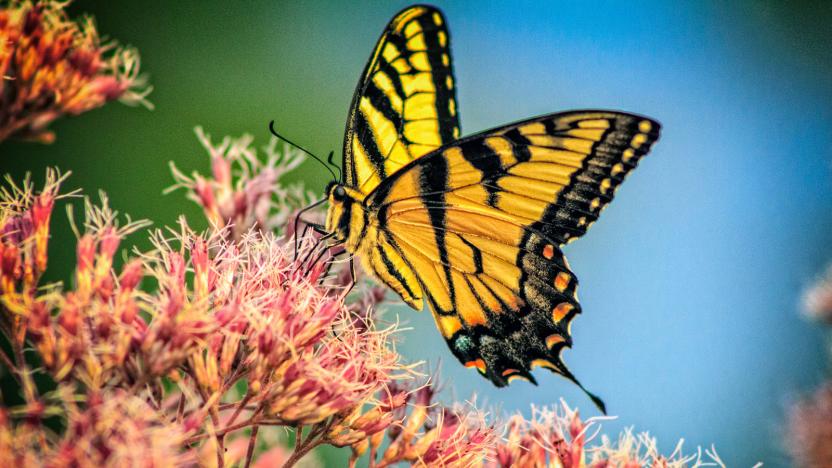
(112, 429)
(18, 444)
(817, 300)
(242, 191)
(88, 331)
(24, 236)
(810, 429)
(119, 429)
(51, 66)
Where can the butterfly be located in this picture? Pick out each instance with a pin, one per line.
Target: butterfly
(473, 226)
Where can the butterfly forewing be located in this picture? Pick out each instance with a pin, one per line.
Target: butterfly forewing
(477, 226)
(405, 103)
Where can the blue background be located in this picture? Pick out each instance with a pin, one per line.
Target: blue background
(691, 280)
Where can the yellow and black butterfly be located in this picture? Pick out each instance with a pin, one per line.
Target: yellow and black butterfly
(474, 225)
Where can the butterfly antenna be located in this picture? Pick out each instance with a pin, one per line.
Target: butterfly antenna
(274, 132)
(331, 163)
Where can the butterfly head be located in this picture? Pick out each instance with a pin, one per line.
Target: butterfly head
(344, 211)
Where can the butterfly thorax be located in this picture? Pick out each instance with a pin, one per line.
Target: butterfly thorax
(345, 217)
(359, 227)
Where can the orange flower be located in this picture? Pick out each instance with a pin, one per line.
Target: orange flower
(51, 66)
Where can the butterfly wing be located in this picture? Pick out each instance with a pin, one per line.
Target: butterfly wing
(477, 227)
(405, 103)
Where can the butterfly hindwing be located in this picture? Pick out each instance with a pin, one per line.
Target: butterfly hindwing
(405, 103)
(477, 227)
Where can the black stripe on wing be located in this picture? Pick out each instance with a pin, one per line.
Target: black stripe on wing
(397, 63)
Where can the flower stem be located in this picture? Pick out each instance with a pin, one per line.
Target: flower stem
(239, 409)
(302, 448)
(29, 388)
(180, 409)
(223, 431)
(252, 441)
(7, 361)
(313, 439)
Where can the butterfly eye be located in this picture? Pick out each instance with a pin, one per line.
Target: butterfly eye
(339, 194)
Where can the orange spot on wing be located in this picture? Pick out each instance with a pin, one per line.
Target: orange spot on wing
(508, 372)
(561, 310)
(448, 325)
(479, 364)
(554, 339)
(548, 251)
(543, 362)
(514, 377)
(562, 281)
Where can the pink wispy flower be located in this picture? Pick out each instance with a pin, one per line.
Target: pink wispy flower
(417, 431)
(51, 66)
(242, 191)
(223, 311)
(86, 333)
(559, 437)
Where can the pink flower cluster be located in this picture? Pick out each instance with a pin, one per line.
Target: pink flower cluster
(209, 341)
(51, 66)
(242, 192)
(559, 437)
(223, 313)
(209, 348)
(192, 351)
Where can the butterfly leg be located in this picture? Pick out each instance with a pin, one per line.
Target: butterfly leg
(352, 277)
(314, 248)
(298, 219)
(346, 292)
(322, 252)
